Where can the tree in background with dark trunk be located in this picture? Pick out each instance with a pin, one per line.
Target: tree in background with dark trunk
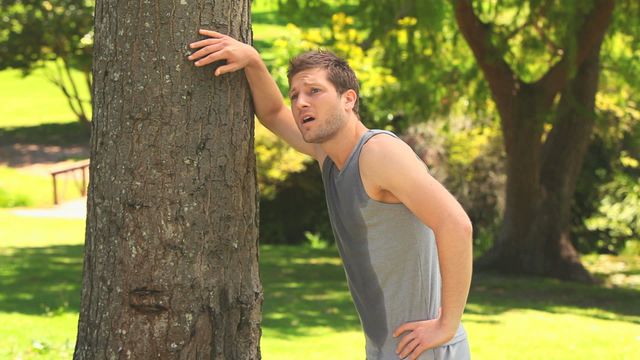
(542, 163)
(171, 263)
(534, 65)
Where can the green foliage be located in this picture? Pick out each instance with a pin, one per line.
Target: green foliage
(342, 37)
(436, 72)
(32, 31)
(8, 199)
(531, 36)
(315, 240)
(35, 32)
(606, 209)
(632, 248)
(297, 207)
(275, 160)
(312, 13)
(617, 219)
(621, 49)
(21, 189)
(468, 159)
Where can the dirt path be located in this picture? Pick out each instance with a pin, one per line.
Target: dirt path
(72, 209)
(41, 160)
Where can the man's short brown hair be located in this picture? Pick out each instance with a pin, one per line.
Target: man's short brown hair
(339, 73)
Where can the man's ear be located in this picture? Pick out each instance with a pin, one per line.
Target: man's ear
(350, 97)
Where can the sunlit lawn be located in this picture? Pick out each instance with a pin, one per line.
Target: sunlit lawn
(307, 309)
(20, 187)
(33, 100)
(25, 189)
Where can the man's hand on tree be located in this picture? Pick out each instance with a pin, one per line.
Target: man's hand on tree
(220, 47)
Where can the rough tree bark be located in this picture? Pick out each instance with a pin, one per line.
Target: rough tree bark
(541, 174)
(171, 261)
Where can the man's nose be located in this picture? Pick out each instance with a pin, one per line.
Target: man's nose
(301, 102)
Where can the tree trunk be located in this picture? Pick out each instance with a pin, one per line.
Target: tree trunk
(535, 232)
(171, 257)
(541, 174)
(522, 132)
(575, 120)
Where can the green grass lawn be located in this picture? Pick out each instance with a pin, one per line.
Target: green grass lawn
(34, 100)
(307, 308)
(24, 189)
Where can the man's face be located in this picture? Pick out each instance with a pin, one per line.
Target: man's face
(317, 107)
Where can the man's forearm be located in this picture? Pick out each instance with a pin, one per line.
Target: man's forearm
(456, 261)
(267, 99)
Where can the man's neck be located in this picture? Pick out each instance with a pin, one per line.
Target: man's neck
(339, 147)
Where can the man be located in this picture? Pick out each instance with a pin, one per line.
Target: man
(404, 239)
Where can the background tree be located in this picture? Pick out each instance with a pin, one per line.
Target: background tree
(542, 166)
(541, 64)
(170, 267)
(55, 35)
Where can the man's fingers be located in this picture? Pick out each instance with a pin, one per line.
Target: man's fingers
(205, 42)
(225, 69)
(211, 33)
(404, 327)
(419, 350)
(403, 343)
(210, 58)
(409, 348)
(205, 51)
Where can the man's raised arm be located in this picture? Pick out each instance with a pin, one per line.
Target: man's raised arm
(267, 99)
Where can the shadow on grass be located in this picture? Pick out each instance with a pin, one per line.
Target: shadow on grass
(304, 288)
(73, 133)
(41, 280)
(494, 294)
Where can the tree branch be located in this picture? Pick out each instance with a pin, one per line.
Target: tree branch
(59, 82)
(83, 115)
(87, 78)
(553, 47)
(502, 80)
(588, 35)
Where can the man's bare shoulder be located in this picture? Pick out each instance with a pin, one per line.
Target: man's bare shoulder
(385, 156)
(384, 147)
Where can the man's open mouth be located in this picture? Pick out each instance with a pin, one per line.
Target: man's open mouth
(307, 119)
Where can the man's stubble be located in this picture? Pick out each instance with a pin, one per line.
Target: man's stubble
(332, 124)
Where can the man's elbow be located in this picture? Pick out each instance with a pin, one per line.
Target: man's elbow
(466, 228)
(459, 227)
(463, 230)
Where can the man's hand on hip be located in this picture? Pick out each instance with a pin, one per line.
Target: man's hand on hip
(422, 335)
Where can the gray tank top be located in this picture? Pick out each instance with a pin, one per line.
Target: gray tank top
(389, 255)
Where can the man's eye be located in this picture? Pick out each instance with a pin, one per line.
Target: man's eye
(293, 97)
(315, 90)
